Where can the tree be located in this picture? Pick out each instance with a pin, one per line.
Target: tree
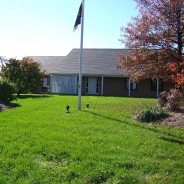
(156, 40)
(25, 74)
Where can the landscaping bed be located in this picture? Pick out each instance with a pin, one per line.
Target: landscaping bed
(174, 119)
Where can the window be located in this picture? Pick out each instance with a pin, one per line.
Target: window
(87, 85)
(45, 82)
(45, 86)
(133, 85)
(154, 85)
(97, 86)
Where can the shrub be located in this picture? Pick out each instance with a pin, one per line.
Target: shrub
(7, 91)
(151, 114)
(163, 98)
(171, 101)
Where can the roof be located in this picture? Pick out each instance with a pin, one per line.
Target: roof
(97, 62)
(52, 64)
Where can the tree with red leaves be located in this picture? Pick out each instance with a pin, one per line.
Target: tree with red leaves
(156, 42)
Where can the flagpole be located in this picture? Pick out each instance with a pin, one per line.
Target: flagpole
(81, 59)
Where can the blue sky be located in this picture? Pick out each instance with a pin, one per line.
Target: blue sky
(45, 27)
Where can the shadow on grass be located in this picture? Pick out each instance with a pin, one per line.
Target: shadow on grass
(172, 139)
(7, 105)
(24, 96)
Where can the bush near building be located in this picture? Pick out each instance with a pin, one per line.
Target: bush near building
(7, 91)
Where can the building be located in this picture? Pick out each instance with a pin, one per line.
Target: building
(99, 75)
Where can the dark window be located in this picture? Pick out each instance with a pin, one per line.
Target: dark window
(86, 85)
(133, 85)
(97, 86)
(154, 85)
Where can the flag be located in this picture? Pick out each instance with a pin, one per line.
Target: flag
(78, 19)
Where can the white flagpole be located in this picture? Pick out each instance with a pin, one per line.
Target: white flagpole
(81, 59)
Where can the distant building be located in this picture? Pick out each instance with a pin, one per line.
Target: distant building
(99, 75)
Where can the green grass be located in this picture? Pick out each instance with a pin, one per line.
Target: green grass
(41, 143)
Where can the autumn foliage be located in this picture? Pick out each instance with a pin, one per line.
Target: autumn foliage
(177, 75)
(155, 39)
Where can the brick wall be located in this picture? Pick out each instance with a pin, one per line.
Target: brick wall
(115, 86)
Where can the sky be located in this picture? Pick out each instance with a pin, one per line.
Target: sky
(45, 27)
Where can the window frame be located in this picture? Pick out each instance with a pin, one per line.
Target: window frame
(133, 85)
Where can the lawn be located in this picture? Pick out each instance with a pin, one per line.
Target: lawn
(41, 143)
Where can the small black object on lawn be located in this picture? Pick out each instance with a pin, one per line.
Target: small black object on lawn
(67, 109)
(87, 105)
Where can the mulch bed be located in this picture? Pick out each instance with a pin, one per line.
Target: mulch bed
(174, 119)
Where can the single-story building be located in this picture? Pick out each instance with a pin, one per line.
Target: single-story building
(99, 75)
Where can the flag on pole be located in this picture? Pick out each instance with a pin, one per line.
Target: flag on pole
(78, 19)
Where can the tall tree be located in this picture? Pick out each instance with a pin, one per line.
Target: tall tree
(25, 74)
(156, 42)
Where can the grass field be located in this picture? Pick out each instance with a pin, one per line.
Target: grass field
(41, 143)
